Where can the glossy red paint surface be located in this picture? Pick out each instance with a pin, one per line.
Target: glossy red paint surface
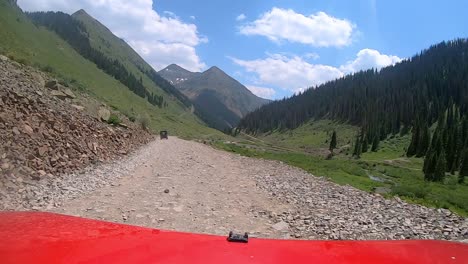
(52, 238)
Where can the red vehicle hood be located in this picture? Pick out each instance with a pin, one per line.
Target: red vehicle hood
(30, 237)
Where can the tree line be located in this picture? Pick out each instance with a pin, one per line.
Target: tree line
(408, 97)
(75, 33)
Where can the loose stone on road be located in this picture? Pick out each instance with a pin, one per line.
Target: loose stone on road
(187, 186)
(184, 186)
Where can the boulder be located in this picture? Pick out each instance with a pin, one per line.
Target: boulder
(38, 78)
(42, 150)
(281, 226)
(15, 131)
(28, 130)
(3, 117)
(59, 95)
(3, 58)
(38, 175)
(52, 84)
(5, 166)
(69, 93)
(55, 85)
(78, 107)
(123, 125)
(104, 114)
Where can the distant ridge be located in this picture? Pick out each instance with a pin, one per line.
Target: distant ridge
(222, 98)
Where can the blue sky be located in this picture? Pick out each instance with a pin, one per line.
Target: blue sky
(275, 48)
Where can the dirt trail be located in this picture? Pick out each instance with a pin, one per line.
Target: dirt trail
(184, 186)
(187, 186)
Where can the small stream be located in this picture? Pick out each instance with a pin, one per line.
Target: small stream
(375, 178)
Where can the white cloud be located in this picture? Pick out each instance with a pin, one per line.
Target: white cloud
(291, 73)
(319, 29)
(170, 14)
(295, 74)
(263, 92)
(193, 17)
(165, 54)
(160, 39)
(241, 17)
(368, 59)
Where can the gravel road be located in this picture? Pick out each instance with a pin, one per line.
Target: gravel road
(187, 186)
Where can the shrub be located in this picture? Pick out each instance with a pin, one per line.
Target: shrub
(22, 61)
(47, 68)
(64, 82)
(144, 122)
(411, 191)
(114, 119)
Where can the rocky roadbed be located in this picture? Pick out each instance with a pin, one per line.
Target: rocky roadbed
(187, 186)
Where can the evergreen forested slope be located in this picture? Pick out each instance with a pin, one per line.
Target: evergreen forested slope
(410, 96)
(76, 34)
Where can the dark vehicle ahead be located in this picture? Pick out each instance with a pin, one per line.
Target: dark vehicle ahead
(163, 134)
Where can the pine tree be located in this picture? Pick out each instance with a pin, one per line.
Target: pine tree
(333, 142)
(450, 150)
(357, 148)
(439, 172)
(424, 141)
(464, 167)
(365, 145)
(412, 149)
(375, 144)
(429, 165)
(383, 133)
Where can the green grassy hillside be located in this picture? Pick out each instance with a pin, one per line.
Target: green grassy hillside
(106, 42)
(21, 40)
(313, 135)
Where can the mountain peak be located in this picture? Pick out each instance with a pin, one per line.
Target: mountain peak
(214, 69)
(176, 74)
(221, 99)
(175, 67)
(80, 12)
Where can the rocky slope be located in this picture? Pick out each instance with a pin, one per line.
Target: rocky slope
(321, 209)
(45, 132)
